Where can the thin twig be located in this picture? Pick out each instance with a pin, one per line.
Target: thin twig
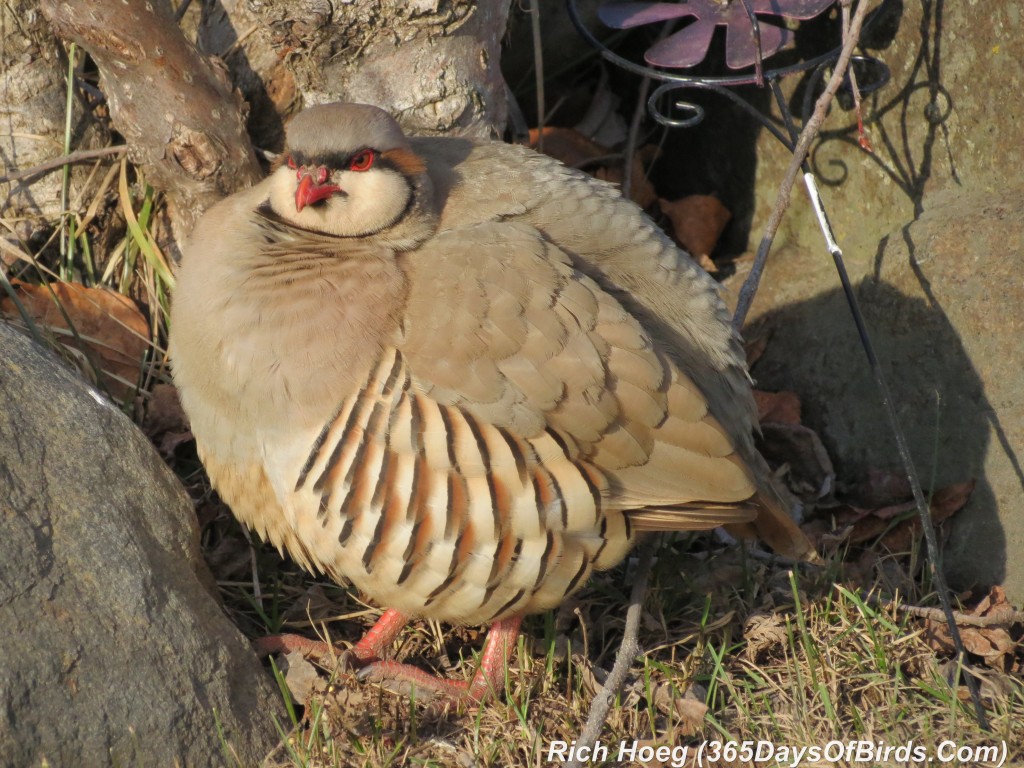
(1002, 619)
(862, 138)
(755, 30)
(238, 42)
(628, 651)
(517, 123)
(80, 156)
(67, 224)
(749, 289)
(634, 138)
(885, 396)
(803, 145)
(634, 126)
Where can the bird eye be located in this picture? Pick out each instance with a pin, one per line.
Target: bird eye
(362, 161)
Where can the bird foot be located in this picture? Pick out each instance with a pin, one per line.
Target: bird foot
(326, 655)
(413, 682)
(372, 647)
(488, 680)
(365, 660)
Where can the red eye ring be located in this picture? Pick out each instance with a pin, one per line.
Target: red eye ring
(291, 162)
(362, 161)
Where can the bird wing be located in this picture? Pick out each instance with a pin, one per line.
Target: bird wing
(632, 259)
(500, 326)
(608, 239)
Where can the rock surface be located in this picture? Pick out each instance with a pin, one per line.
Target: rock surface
(945, 120)
(945, 309)
(931, 225)
(115, 650)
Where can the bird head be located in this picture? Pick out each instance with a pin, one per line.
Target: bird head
(348, 170)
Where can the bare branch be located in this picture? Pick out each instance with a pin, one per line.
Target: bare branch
(1002, 619)
(81, 156)
(803, 145)
(176, 109)
(628, 650)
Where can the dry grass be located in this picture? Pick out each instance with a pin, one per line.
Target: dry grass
(113, 247)
(790, 658)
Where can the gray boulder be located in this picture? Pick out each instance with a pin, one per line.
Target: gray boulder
(115, 649)
(945, 308)
(930, 224)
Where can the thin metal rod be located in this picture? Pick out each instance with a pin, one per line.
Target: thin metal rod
(920, 502)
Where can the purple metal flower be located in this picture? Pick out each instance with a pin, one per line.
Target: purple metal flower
(689, 46)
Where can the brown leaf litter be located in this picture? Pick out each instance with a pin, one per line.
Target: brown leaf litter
(998, 643)
(576, 150)
(697, 224)
(104, 332)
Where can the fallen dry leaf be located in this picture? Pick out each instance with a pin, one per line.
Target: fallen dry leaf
(993, 644)
(764, 633)
(165, 422)
(995, 606)
(996, 688)
(691, 715)
(112, 331)
(899, 535)
(300, 676)
(811, 475)
(777, 407)
(998, 645)
(688, 709)
(951, 499)
(576, 150)
(593, 677)
(697, 222)
(568, 145)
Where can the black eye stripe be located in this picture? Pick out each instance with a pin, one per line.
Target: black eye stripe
(332, 160)
(338, 161)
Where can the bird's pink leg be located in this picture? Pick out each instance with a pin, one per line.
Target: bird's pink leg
(371, 647)
(489, 676)
(378, 639)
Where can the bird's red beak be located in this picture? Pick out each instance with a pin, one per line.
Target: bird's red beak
(309, 191)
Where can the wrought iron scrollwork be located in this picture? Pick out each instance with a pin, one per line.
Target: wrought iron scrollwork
(872, 73)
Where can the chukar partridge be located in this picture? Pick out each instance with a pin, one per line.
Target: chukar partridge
(458, 375)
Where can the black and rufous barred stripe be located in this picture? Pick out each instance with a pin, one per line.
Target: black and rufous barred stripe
(395, 454)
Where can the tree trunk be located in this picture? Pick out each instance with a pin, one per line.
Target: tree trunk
(33, 95)
(176, 109)
(434, 64)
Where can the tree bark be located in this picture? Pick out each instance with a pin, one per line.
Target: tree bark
(181, 119)
(33, 96)
(433, 64)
